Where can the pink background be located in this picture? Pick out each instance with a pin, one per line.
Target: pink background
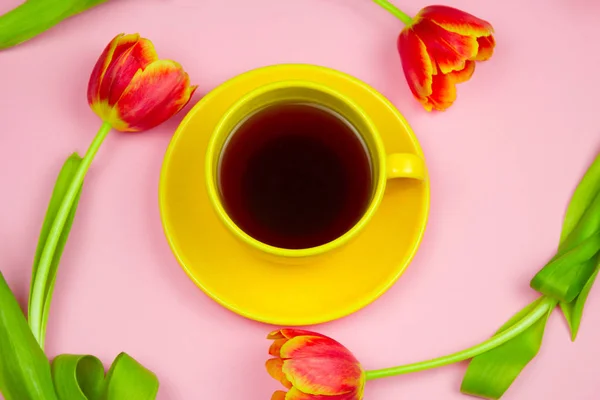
(503, 162)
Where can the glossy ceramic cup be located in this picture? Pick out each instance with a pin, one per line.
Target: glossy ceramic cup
(384, 166)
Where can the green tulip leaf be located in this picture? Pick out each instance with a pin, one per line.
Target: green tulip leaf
(24, 369)
(567, 277)
(564, 276)
(81, 377)
(573, 311)
(60, 188)
(128, 379)
(571, 279)
(490, 374)
(34, 17)
(78, 377)
(585, 192)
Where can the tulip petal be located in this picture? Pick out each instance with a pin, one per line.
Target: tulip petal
(444, 92)
(295, 394)
(292, 333)
(314, 367)
(153, 96)
(302, 347)
(416, 63)
(449, 50)
(486, 48)
(100, 68)
(128, 58)
(276, 335)
(457, 21)
(275, 369)
(124, 43)
(465, 74)
(324, 376)
(427, 104)
(278, 395)
(275, 349)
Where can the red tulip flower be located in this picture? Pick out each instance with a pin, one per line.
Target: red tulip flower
(313, 367)
(438, 49)
(131, 90)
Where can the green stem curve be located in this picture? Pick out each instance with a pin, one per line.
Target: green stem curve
(527, 321)
(36, 305)
(395, 11)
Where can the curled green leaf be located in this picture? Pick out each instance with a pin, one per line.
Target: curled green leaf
(60, 188)
(570, 275)
(36, 16)
(81, 377)
(24, 369)
(564, 277)
(573, 311)
(128, 379)
(490, 374)
(78, 377)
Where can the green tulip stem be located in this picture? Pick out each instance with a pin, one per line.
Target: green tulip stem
(395, 11)
(37, 296)
(527, 321)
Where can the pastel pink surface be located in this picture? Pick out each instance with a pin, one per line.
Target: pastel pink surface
(503, 162)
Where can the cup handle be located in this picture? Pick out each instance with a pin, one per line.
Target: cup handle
(405, 165)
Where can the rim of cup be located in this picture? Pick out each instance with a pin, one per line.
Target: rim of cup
(211, 173)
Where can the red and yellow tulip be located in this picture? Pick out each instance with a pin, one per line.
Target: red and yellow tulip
(313, 367)
(438, 49)
(132, 90)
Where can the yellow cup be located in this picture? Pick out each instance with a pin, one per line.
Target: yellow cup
(384, 166)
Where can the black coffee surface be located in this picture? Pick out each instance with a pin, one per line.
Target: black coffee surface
(295, 176)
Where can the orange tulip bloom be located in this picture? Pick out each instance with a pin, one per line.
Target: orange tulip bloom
(314, 367)
(132, 90)
(438, 49)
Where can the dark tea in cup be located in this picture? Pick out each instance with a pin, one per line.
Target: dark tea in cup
(295, 175)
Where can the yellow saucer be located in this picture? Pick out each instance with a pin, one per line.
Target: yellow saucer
(331, 287)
